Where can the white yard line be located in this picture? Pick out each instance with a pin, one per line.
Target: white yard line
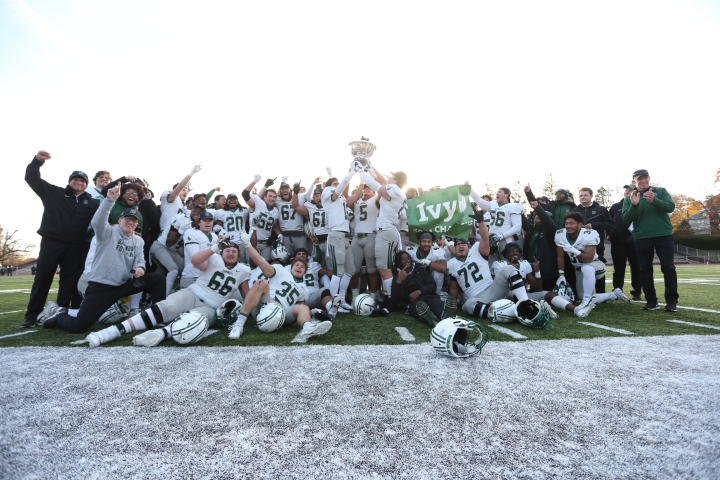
(680, 306)
(507, 331)
(616, 330)
(23, 290)
(14, 311)
(405, 334)
(18, 334)
(695, 324)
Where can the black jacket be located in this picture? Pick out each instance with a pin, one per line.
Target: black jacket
(64, 218)
(600, 219)
(619, 232)
(546, 248)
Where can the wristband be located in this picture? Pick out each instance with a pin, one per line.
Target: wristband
(561, 272)
(215, 248)
(537, 274)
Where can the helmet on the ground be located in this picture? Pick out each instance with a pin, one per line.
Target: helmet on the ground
(270, 318)
(457, 337)
(114, 314)
(189, 327)
(502, 311)
(532, 314)
(363, 305)
(227, 312)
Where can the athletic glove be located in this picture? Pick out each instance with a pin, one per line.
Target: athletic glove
(477, 216)
(296, 188)
(447, 241)
(571, 249)
(560, 280)
(219, 230)
(245, 239)
(284, 180)
(426, 262)
(195, 169)
(257, 178)
(269, 182)
(494, 239)
(329, 171)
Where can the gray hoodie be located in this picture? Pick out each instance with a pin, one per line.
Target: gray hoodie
(117, 254)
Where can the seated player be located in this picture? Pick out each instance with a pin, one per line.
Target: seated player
(286, 289)
(220, 278)
(430, 256)
(579, 243)
(317, 297)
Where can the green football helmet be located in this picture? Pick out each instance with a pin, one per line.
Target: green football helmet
(227, 313)
(532, 314)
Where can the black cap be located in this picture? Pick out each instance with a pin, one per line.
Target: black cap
(640, 173)
(205, 215)
(460, 240)
(232, 195)
(78, 174)
(130, 212)
(284, 184)
(511, 246)
(318, 190)
(301, 250)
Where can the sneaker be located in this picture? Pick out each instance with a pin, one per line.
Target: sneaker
(651, 306)
(236, 331)
(583, 311)
(317, 329)
(637, 298)
(47, 311)
(671, 307)
(29, 322)
(621, 296)
(51, 320)
(345, 307)
(335, 306)
(106, 335)
(150, 338)
(553, 313)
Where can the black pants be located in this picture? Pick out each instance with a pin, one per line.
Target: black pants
(436, 304)
(69, 257)
(622, 253)
(99, 297)
(646, 248)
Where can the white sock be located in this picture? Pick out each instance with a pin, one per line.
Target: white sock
(588, 280)
(559, 302)
(520, 293)
(387, 286)
(355, 293)
(375, 296)
(136, 323)
(334, 285)
(344, 284)
(73, 312)
(170, 281)
(242, 318)
(135, 300)
(439, 278)
(604, 297)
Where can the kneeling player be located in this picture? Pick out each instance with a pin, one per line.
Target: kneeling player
(220, 278)
(281, 287)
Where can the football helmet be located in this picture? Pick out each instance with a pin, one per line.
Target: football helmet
(502, 311)
(457, 337)
(363, 305)
(114, 314)
(565, 291)
(227, 312)
(279, 252)
(494, 240)
(189, 327)
(309, 229)
(270, 318)
(532, 314)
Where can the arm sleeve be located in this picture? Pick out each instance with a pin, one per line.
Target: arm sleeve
(629, 211)
(344, 182)
(664, 202)
(546, 220)
(246, 195)
(99, 221)
(370, 182)
(32, 177)
(516, 222)
(209, 196)
(484, 204)
(606, 223)
(140, 257)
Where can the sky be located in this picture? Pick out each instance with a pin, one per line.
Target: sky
(491, 92)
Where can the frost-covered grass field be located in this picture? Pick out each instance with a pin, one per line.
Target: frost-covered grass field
(561, 403)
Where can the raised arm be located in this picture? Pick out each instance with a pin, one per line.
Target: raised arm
(183, 183)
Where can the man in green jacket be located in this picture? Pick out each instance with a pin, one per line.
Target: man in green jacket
(647, 208)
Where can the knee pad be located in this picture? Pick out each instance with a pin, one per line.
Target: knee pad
(515, 280)
(481, 310)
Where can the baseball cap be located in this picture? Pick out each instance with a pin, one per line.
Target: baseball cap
(629, 186)
(318, 190)
(130, 212)
(460, 240)
(640, 173)
(205, 215)
(232, 195)
(78, 174)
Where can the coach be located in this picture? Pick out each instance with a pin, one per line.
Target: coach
(647, 208)
(64, 226)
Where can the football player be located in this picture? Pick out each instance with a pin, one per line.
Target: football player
(166, 253)
(221, 277)
(392, 201)
(470, 273)
(233, 219)
(100, 180)
(410, 193)
(430, 256)
(263, 215)
(363, 244)
(281, 287)
(313, 210)
(291, 223)
(579, 243)
(317, 297)
(195, 239)
(505, 220)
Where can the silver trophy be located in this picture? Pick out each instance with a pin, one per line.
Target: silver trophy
(362, 150)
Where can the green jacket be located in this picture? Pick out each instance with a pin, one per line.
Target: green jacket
(117, 210)
(650, 219)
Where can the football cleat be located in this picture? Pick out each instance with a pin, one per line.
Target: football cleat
(151, 338)
(584, 309)
(317, 329)
(47, 311)
(345, 306)
(106, 335)
(335, 306)
(236, 331)
(620, 295)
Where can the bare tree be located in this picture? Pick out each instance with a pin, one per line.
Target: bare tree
(13, 250)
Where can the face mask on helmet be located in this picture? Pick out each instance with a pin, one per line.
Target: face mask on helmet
(458, 338)
(532, 314)
(227, 313)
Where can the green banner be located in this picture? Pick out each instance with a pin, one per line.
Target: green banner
(443, 212)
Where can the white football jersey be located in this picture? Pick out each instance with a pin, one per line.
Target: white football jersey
(234, 221)
(403, 220)
(586, 238)
(285, 288)
(263, 218)
(218, 282)
(312, 276)
(95, 193)
(504, 217)
(181, 222)
(317, 218)
(336, 211)
(435, 254)
(389, 216)
(168, 210)
(524, 267)
(290, 220)
(366, 214)
(194, 241)
(471, 273)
